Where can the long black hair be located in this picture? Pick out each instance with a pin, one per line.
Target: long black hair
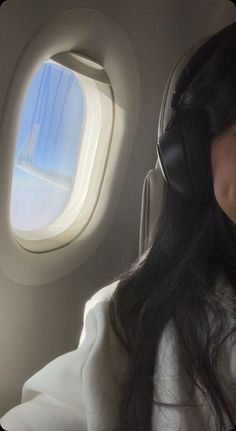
(175, 280)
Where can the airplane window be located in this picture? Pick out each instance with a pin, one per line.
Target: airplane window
(63, 140)
(47, 147)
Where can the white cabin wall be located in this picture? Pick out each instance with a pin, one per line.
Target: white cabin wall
(41, 322)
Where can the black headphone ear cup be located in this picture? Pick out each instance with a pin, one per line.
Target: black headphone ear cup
(172, 160)
(184, 155)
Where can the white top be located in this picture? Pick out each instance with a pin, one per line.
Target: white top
(80, 390)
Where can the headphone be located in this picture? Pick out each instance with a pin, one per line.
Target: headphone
(183, 135)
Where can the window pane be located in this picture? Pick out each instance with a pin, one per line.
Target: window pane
(47, 147)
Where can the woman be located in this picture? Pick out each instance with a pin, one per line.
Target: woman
(194, 245)
(156, 351)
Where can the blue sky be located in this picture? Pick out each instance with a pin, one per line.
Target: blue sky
(54, 105)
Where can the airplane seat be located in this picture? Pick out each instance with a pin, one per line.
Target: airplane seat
(151, 206)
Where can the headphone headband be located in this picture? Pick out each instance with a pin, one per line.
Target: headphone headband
(175, 84)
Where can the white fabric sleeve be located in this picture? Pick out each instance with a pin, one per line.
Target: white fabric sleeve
(72, 392)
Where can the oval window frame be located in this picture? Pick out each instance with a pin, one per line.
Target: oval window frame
(66, 31)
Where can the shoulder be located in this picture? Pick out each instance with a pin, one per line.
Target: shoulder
(96, 322)
(103, 295)
(96, 310)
